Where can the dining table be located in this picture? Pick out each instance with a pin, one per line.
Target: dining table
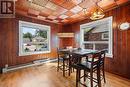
(78, 51)
(82, 53)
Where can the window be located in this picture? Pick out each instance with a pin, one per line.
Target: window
(33, 38)
(97, 35)
(105, 36)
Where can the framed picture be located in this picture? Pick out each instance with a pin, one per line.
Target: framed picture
(33, 38)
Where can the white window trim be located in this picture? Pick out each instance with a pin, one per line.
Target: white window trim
(103, 38)
(34, 25)
(90, 24)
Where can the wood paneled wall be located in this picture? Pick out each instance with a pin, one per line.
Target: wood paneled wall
(120, 62)
(9, 41)
(64, 42)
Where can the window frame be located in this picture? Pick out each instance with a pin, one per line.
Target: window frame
(34, 26)
(103, 38)
(90, 24)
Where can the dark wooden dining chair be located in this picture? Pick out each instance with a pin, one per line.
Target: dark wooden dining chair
(88, 67)
(74, 63)
(95, 64)
(102, 63)
(63, 61)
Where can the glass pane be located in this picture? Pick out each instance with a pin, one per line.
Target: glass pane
(101, 46)
(34, 40)
(96, 33)
(88, 46)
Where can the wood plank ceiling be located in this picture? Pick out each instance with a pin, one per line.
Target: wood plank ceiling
(63, 11)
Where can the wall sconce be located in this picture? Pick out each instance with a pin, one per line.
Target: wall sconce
(124, 26)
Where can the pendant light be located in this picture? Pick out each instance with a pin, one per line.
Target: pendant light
(98, 13)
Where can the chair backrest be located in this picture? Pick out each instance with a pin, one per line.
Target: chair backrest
(102, 58)
(61, 54)
(96, 57)
(74, 59)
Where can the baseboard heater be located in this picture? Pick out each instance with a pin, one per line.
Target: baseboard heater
(34, 63)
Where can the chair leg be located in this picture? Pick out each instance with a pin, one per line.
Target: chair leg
(70, 70)
(73, 69)
(103, 74)
(79, 74)
(77, 77)
(91, 78)
(63, 67)
(58, 65)
(98, 78)
(84, 75)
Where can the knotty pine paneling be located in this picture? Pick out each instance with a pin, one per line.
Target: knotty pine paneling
(9, 41)
(120, 62)
(64, 42)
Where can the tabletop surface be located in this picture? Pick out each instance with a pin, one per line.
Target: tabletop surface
(84, 51)
(79, 52)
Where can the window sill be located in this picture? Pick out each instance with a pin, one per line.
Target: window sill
(109, 55)
(27, 54)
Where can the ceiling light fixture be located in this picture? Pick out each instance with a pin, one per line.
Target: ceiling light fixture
(97, 14)
(85, 11)
(29, 0)
(76, 0)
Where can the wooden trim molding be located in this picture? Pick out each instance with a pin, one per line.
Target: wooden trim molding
(65, 35)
